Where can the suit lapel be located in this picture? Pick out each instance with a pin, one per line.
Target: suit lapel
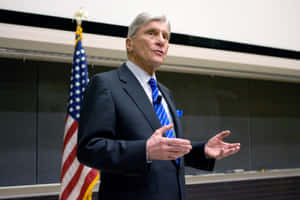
(136, 92)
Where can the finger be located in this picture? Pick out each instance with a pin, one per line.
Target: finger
(221, 154)
(177, 141)
(163, 129)
(175, 155)
(179, 149)
(223, 134)
(233, 145)
(231, 151)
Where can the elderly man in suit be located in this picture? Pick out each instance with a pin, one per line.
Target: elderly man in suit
(129, 128)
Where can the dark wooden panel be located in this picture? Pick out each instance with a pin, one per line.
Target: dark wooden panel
(268, 189)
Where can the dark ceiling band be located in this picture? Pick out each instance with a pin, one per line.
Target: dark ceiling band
(44, 21)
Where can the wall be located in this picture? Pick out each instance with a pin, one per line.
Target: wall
(262, 115)
(271, 23)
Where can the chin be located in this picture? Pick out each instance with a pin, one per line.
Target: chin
(158, 61)
(156, 64)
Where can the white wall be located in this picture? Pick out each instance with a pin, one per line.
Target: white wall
(271, 23)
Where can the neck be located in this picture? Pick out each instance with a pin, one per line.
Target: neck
(147, 68)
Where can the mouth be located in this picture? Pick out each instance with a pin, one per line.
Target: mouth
(159, 52)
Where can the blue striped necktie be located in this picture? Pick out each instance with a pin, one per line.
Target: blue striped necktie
(160, 110)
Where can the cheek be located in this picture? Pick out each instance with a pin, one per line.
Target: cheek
(144, 50)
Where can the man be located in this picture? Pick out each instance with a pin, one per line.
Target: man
(129, 128)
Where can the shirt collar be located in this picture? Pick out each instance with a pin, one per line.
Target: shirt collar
(139, 73)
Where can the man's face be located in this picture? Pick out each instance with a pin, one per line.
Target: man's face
(149, 47)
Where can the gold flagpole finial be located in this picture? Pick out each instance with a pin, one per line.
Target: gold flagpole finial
(79, 15)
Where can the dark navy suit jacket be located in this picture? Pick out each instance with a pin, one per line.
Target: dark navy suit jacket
(116, 120)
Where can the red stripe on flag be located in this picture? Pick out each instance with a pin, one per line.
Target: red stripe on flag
(70, 133)
(68, 162)
(88, 180)
(67, 191)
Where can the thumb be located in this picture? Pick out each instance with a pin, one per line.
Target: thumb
(162, 130)
(223, 134)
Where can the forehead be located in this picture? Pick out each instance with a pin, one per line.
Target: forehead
(155, 25)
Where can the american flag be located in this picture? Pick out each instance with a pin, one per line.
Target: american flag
(77, 180)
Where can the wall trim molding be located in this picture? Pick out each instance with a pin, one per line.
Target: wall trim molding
(12, 192)
(25, 42)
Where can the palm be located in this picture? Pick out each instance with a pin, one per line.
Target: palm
(216, 148)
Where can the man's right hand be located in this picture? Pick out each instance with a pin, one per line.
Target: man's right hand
(163, 148)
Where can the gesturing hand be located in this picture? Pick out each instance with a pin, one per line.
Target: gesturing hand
(216, 148)
(162, 148)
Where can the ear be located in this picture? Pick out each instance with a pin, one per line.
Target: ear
(129, 44)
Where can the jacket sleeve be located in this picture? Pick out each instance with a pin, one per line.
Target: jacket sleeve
(197, 159)
(98, 143)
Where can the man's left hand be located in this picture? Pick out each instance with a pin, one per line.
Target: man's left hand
(216, 148)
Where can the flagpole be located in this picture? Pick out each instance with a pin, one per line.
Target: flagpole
(77, 180)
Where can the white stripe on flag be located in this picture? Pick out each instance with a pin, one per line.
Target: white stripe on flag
(69, 146)
(69, 174)
(69, 122)
(76, 191)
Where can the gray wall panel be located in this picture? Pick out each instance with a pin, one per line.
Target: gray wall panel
(53, 96)
(51, 129)
(263, 115)
(18, 123)
(233, 112)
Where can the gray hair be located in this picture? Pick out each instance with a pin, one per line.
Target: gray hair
(143, 19)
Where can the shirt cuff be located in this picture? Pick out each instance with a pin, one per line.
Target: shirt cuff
(147, 158)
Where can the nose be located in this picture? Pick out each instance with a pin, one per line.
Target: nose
(160, 39)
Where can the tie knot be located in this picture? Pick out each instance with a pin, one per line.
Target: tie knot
(152, 84)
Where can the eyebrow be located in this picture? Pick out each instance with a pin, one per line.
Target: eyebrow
(156, 30)
(151, 30)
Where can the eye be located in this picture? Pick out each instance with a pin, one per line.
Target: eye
(166, 36)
